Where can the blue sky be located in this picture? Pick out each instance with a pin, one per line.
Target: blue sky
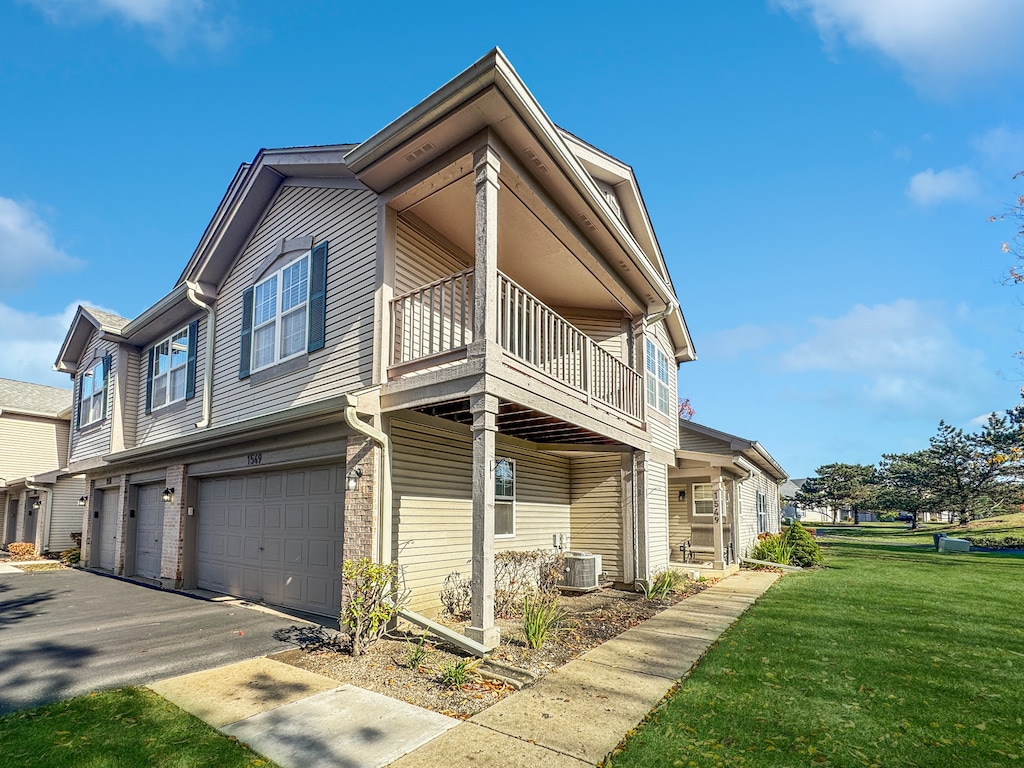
(819, 173)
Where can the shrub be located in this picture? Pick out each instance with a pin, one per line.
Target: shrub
(22, 550)
(887, 517)
(806, 551)
(457, 595)
(458, 673)
(370, 600)
(772, 548)
(996, 542)
(71, 556)
(663, 584)
(521, 574)
(417, 653)
(541, 616)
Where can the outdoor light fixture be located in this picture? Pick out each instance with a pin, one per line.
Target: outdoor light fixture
(36, 505)
(353, 478)
(168, 494)
(81, 501)
(682, 495)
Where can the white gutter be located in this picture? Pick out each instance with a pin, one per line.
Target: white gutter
(360, 426)
(48, 509)
(211, 329)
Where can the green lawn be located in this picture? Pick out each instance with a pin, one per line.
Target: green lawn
(890, 656)
(126, 728)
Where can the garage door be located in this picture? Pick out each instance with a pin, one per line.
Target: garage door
(275, 537)
(149, 531)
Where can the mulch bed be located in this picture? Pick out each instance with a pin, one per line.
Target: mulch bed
(592, 618)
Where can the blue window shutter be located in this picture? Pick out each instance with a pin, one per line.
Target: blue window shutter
(318, 298)
(106, 384)
(245, 343)
(190, 369)
(149, 381)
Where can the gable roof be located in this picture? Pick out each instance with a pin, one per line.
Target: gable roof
(751, 449)
(87, 320)
(34, 399)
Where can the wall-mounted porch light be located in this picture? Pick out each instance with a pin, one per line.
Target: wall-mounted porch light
(81, 501)
(353, 478)
(168, 494)
(682, 495)
(36, 505)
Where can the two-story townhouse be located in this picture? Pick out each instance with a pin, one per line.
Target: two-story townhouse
(456, 337)
(723, 492)
(38, 503)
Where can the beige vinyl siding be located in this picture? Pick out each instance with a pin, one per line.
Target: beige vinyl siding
(657, 516)
(62, 429)
(679, 520)
(29, 445)
(347, 218)
(422, 258)
(132, 396)
(433, 504)
(691, 442)
(748, 511)
(178, 418)
(608, 332)
(66, 514)
(664, 428)
(597, 510)
(94, 440)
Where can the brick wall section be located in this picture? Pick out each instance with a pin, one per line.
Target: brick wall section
(87, 521)
(360, 504)
(121, 551)
(173, 537)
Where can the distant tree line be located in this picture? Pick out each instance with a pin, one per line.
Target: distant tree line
(961, 475)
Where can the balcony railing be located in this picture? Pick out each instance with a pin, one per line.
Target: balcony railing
(436, 320)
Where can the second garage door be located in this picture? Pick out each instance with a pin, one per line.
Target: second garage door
(275, 537)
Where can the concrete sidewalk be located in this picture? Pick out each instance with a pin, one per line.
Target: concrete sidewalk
(571, 718)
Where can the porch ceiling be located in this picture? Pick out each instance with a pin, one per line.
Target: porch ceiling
(528, 250)
(517, 421)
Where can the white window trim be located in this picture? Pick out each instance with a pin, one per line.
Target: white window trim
(693, 508)
(652, 364)
(95, 373)
(507, 499)
(167, 374)
(276, 319)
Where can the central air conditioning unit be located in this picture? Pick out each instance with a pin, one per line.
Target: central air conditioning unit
(582, 572)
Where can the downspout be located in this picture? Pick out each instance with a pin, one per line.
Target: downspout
(749, 468)
(360, 426)
(671, 306)
(48, 509)
(211, 329)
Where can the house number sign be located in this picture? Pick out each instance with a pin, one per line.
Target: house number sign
(254, 459)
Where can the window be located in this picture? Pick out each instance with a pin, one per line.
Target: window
(658, 380)
(279, 314)
(762, 513)
(504, 497)
(169, 362)
(703, 499)
(285, 313)
(92, 397)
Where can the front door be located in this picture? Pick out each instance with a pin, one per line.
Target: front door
(31, 515)
(107, 529)
(149, 531)
(12, 522)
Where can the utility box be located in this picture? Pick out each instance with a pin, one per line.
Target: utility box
(946, 544)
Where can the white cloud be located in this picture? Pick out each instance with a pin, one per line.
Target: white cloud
(171, 23)
(31, 343)
(900, 357)
(27, 247)
(932, 187)
(938, 44)
(1002, 148)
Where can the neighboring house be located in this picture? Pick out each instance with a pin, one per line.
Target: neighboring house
(38, 504)
(805, 514)
(454, 338)
(723, 492)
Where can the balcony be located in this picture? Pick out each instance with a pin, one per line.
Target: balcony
(433, 326)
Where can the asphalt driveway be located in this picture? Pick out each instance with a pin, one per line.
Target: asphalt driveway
(68, 632)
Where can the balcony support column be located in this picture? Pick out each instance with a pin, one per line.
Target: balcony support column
(484, 408)
(486, 297)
